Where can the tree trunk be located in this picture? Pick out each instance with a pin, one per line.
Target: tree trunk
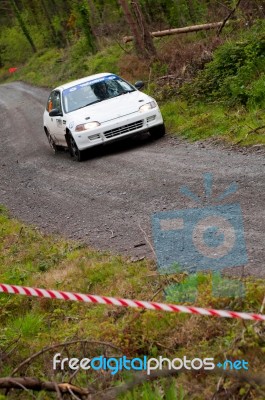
(84, 12)
(132, 22)
(142, 25)
(23, 25)
(55, 38)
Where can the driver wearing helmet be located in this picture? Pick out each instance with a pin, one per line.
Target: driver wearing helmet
(100, 90)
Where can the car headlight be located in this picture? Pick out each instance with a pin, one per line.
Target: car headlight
(87, 126)
(148, 106)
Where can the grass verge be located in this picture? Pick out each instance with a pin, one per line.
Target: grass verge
(203, 121)
(31, 324)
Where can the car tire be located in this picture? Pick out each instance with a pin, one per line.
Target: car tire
(157, 131)
(51, 141)
(77, 154)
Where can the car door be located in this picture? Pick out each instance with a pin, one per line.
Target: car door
(56, 124)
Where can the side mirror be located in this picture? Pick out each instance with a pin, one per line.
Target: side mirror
(55, 112)
(139, 85)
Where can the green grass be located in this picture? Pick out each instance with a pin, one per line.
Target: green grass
(52, 67)
(203, 121)
(30, 324)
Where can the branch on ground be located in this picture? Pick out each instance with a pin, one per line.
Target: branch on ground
(64, 344)
(30, 383)
(255, 130)
(38, 385)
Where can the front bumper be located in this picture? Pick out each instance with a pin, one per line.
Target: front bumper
(118, 129)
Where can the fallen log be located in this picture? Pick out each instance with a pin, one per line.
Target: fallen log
(29, 383)
(185, 29)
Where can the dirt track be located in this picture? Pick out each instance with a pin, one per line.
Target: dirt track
(108, 200)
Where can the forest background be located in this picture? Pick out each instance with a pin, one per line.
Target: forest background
(219, 71)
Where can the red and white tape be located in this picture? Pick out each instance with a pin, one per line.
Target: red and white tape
(149, 305)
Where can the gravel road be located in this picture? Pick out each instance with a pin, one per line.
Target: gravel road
(108, 200)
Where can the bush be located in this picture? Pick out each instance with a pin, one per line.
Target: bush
(233, 74)
(256, 98)
(104, 61)
(78, 50)
(15, 48)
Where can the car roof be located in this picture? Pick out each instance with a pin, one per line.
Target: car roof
(82, 80)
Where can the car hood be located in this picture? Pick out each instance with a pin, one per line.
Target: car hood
(111, 109)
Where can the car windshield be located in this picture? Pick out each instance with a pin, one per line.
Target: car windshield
(94, 91)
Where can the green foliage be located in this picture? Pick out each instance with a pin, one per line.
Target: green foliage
(82, 10)
(256, 94)
(23, 25)
(161, 390)
(105, 60)
(205, 120)
(80, 63)
(183, 12)
(30, 324)
(158, 68)
(52, 67)
(14, 46)
(17, 264)
(43, 68)
(175, 13)
(236, 75)
(78, 50)
(188, 289)
(27, 326)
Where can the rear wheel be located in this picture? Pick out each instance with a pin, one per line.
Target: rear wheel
(74, 150)
(51, 141)
(157, 131)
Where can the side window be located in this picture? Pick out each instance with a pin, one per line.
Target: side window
(54, 101)
(49, 103)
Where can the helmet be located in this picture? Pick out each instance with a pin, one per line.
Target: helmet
(100, 90)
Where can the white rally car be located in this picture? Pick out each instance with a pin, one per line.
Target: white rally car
(98, 109)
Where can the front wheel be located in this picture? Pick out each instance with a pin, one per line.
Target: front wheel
(74, 150)
(157, 131)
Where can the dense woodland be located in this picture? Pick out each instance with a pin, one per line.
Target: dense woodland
(28, 26)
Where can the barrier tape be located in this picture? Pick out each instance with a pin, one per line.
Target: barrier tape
(149, 305)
